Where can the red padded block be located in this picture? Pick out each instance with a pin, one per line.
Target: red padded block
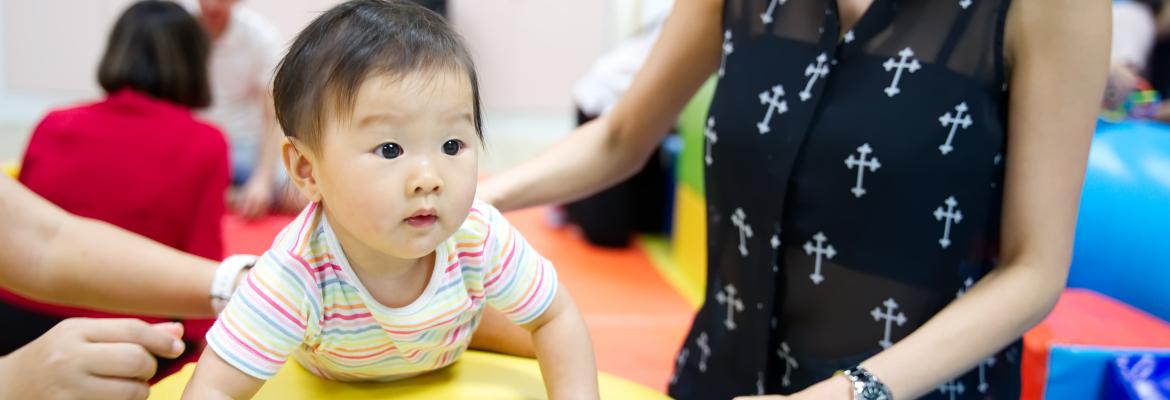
(1085, 317)
(251, 237)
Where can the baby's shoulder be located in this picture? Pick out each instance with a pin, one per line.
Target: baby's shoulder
(479, 222)
(303, 244)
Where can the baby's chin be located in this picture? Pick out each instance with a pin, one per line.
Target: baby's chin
(417, 246)
(410, 252)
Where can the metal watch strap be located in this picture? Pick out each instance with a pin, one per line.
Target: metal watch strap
(866, 386)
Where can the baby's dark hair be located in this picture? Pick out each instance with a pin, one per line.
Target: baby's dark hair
(329, 60)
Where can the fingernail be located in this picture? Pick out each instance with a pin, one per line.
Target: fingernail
(177, 347)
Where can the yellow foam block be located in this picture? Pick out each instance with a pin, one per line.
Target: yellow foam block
(477, 375)
(10, 168)
(689, 241)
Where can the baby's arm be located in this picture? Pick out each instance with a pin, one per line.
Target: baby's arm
(523, 286)
(564, 350)
(497, 334)
(266, 319)
(216, 379)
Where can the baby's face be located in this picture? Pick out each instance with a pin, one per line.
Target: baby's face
(399, 176)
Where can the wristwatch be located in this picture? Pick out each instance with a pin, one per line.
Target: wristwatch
(224, 282)
(866, 386)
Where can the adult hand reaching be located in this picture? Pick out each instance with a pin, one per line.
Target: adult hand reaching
(254, 199)
(89, 358)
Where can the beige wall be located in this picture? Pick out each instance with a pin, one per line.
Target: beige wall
(49, 50)
(529, 54)
(529, 51)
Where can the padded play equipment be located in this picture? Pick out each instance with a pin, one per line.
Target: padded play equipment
(689, 236)
(476, 375)
(1121, 263)
(1069, 353)
(10, 168)
(1123, 234)
(1086, 372)
(1139, 376)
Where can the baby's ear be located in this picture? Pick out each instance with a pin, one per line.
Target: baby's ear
(300, 167)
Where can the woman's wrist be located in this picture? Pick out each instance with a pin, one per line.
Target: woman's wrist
(837, 386)
(227, 279)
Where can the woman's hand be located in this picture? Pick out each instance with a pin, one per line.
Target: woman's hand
(1122, 82)
(254, 199)
(91, 359)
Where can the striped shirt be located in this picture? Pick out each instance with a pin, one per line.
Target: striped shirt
(303, 299)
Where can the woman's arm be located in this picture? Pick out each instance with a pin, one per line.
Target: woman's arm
(612, 148)
(52, 256)
(1059, 50)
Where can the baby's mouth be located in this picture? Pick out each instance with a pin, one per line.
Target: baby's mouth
(422, 218)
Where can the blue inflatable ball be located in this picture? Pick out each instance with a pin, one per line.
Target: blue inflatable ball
(1123, 233)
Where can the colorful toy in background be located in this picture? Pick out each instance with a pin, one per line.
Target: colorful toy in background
(1142, 103)
(1123, 230)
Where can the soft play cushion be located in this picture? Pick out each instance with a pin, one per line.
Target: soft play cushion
(1070, 351)
(1123, 233)
(1082, 372)
(1139, 377)
(476, 375)
(10, 168)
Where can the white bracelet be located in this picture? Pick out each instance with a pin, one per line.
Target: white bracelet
(224, 283)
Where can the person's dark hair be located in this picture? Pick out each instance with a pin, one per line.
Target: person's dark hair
(158, 48)
(1154, 5)
(329, 60)
(438, 6)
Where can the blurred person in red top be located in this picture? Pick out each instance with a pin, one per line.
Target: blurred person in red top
(138, 159)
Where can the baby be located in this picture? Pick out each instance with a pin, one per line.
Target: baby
(386, 273)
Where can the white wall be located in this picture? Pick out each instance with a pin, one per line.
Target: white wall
(3, 53)
(529, 52)
(52, 52)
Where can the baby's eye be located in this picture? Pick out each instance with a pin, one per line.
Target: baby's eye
(388, 151)
(452, 147)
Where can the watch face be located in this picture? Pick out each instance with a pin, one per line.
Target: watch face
(872, 392)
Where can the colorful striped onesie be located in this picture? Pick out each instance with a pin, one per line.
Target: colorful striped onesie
(303, 299)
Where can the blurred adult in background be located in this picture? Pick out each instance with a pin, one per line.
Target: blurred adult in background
(245, 48)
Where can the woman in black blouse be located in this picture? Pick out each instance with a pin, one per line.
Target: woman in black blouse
(909, 172)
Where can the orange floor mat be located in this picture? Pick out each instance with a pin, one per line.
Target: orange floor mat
(636, 320)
